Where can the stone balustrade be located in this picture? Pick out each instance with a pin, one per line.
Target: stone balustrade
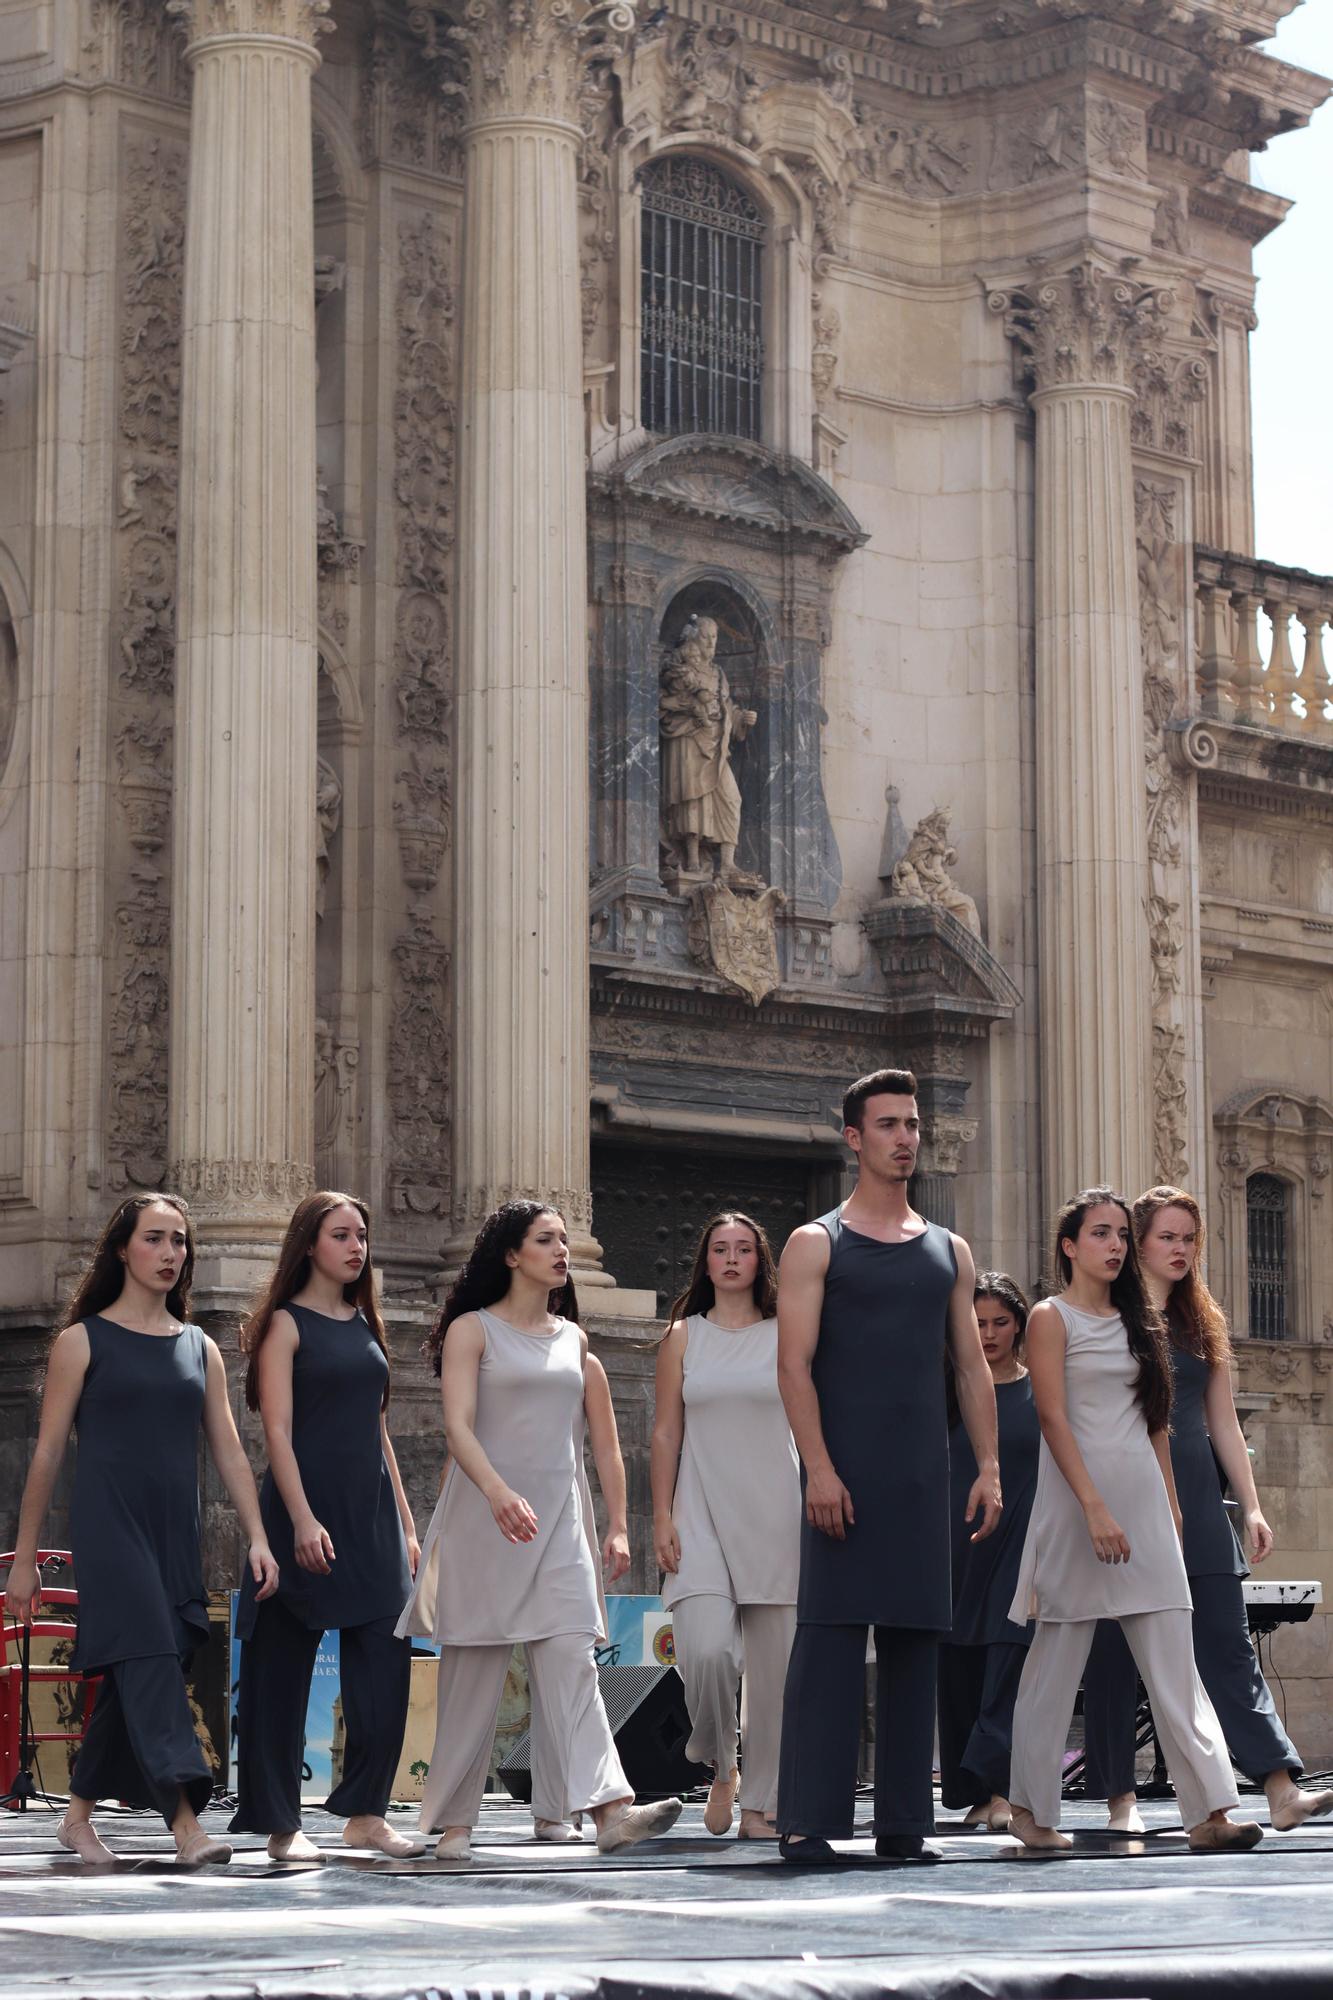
(1240, 677)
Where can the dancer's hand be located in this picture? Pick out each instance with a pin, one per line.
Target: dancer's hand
(23, 1594)
(828, 1504)
(314, 1546)
(1261, 1535)
(985, 1495)
(666, 1546)
(413, 1552)
(615, 1555)
(513, 1516)
(264, 1570)
(1109, 1540)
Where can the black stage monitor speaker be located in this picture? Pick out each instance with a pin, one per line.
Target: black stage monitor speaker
(646, 1709)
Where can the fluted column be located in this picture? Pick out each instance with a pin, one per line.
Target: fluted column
(1080, 331)
(521, 996)
(243, 922)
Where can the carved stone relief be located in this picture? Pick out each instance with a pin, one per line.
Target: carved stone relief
(711, 88)
(923, 160)
(410, 108)
(922, 875)
(152, 234)
(336, 1060)
(736, 936)
(131, 43)
(1033, 144)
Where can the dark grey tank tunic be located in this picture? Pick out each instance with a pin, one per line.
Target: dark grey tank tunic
(338, 1379)
(985, 1574)
(134, 1521)
(879, 1374)
(1211, 1547)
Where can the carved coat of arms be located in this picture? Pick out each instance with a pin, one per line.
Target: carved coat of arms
(736, 935)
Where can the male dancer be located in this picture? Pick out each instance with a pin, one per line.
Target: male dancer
(868, 1298)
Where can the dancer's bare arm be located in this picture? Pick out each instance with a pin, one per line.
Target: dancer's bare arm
(604, 1438)
(460, 1363)
(1045, 1351)
(60, 1399)
(976, 1394)
(668, 1436)
(801, 1274)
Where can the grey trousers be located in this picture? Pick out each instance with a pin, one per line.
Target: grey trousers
(821, 1730)
(1187, 1725)
(574, 1761)
(720, 1646)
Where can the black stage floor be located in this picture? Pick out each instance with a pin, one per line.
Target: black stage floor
(687, 1915)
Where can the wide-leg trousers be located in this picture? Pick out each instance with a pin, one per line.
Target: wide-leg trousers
(575, 1764)
(1187, 1725)
(719, 1645)
(978, 1686)
(821, 1730)
(277, 1663)
(140, 1744)
(1229, 1669)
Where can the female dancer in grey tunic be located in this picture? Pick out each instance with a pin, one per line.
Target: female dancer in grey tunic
(338, 1519)
(1168, 1228)
(727, 1516)
(137, 1382)
(510, 1554)
(982, 1658)
(1103, 1538)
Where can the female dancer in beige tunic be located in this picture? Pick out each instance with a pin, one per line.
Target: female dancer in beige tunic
(727, 1516)
(1103, 1540)
(510, 1554)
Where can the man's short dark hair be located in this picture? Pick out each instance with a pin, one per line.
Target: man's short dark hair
(879, 1083)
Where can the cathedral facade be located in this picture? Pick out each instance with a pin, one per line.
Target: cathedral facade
(574, 575)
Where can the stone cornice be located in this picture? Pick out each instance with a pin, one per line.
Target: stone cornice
(286, 20)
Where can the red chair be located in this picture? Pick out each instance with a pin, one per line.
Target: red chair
(18, 1672)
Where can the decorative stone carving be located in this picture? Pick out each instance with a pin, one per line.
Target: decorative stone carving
(422, 820)
(328, 812)
(423, 417)
(1087, 324)
(1116, 140)
(712, 88)
(1031, 146)
(700, 797)
(1170, 227)
(739, 481)
(922, 875)
(242, 1187)
(336, 1061)
(142, 751)
(137, 1034)
(526, 58)
(130, 43)
(336, 553)
(1168, 388)
(294, 20)
(737, 937)
(915, 159)
(418, 1070)
(824, 361)
(411, 109)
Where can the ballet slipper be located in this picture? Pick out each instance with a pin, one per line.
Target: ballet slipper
(634, 1823)
(557, 1832)
(385, 1839)
(202, 1850)
(455, 1845)
(755, 1825)
(295, 1846)
(80, 1836)
(1037, 1839)
(1125, 1819)
(1297, 1807)
(721, 1799)
(1224, 1836)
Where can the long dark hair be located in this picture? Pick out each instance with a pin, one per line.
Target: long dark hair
(1194, 1319)
(103, 1278)
(485, 1278)
(1143, 1322)
(1000, 1286)
(700, 1294)
(293, 1269)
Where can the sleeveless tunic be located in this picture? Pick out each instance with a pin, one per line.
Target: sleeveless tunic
(737, 1505)
(1211, 1545)
(1060, 1580)
(474, 1588)
(338, 1378)
(985, 1574)
(134, 1520)
(879, 1374)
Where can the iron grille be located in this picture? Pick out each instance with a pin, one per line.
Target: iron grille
(1266, 1208)
(701, 336)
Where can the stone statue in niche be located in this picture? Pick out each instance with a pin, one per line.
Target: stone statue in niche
(328, 812)
(700, 796)
(922, 875)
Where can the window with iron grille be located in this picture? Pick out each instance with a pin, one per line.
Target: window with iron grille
(701, 338)
(1267, 1210)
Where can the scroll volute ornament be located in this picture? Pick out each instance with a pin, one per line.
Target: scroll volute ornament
(1083, 327)
(526, 58)
(292, 20)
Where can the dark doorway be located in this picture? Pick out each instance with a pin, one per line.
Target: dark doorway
(649, 1202)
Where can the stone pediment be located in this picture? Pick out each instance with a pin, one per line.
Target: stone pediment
(742, 483)
(935, 966)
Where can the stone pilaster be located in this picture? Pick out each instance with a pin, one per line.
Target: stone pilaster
(242, 960)
(1081, 330)
(521, 1094)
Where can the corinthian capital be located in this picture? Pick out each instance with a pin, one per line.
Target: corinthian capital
(292, 20)
(1083, 327)
(526, 58)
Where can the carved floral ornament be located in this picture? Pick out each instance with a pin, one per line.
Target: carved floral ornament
(521, 58)
(1083, 327)
(289, 20)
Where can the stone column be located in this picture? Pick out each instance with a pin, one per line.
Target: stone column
(1080, 330)
(242, 962)
(521, 996)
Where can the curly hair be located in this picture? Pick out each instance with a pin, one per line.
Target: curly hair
(1194, 1319)
(485, 1278)
(1142, 1321)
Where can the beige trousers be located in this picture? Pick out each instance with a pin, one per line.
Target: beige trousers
(574, 1760)
(720, 1645)
(1162, 1643)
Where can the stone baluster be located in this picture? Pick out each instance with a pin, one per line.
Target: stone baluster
(242, 963)
(521, 1074)
(1282, 679)
(1314, 683)
(1252, 697)
(1080, 330)
(1214, 640)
